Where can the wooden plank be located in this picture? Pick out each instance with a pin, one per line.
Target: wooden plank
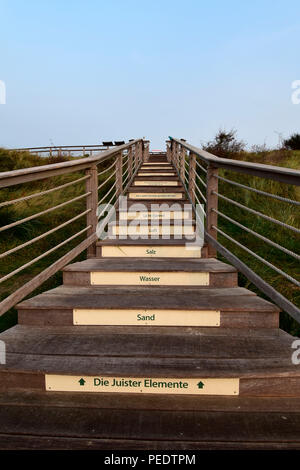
(174, 265)
(102, 343)
(34, 365)
(142, 425)
(173, 403)
(160, 196)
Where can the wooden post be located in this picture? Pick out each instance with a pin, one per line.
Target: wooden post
(168, 151)
(192, 169)
(173, 151)
(182, 164)
(212, 203)
(92, 203)
(119, 176)
(130, 162)
(145, 145)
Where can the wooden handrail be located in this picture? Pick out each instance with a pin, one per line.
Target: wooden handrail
(25, 175)
(277, 173)
(213, 163)
(137, 152)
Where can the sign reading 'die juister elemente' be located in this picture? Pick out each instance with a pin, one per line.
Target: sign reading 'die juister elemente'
(166, 385)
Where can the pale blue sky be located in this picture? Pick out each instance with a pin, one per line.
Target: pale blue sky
(79, 72)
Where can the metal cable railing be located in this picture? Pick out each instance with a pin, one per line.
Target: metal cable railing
(92, 186)
(187, 164)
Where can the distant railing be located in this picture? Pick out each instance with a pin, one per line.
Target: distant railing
(67, 150)
(98, 187)
(199, 173)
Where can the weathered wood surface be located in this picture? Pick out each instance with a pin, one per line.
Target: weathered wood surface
(44, 341)
(231, 299)
(140, 429)
(174, 265)
(248, 345)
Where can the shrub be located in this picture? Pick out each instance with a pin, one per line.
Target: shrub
(225, 144)
(293, 142)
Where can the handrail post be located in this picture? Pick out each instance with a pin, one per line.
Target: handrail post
(173, 149)
(130, 162)
(145, 145)
(168, 151)
(192, 171)
(136, 156)
(92, 204)
(182, 164)
(119, 175)
(211, 203)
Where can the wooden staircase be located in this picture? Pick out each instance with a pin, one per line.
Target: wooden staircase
(150, 345)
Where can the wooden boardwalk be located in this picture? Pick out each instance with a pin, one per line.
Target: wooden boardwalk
(149, 345)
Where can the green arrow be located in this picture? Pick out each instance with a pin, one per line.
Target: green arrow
(200, 385)
(81, 381)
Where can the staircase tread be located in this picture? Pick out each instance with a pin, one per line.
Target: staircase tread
(120, 365)
(97, 428)
(47, 341)
(147, 241)
(146, 298)
(156, 189)
(151, 264)
(175, 403)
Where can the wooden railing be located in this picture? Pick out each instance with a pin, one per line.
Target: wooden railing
(200, 174)
(65, 150)
(99, 180)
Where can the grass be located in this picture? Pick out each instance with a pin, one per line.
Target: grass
(26, 231)
(282, 211)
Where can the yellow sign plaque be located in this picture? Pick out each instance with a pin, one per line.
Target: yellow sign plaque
(153, 385)
(155, 174)
(161, 168)
(153, 230)
(149, 279)
(148, 317)
(156, 183)
(178, 215)
(147, 251)
(155, 195)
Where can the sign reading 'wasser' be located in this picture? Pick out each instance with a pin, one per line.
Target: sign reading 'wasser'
(182, 386)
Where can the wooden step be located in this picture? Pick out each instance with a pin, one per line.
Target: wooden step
(154, 215)
(151, 271)
(46, 359)
(151, 250)
(45, 421)
(155, 195)
(142, 228)
(143, 182)
(225, 308)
